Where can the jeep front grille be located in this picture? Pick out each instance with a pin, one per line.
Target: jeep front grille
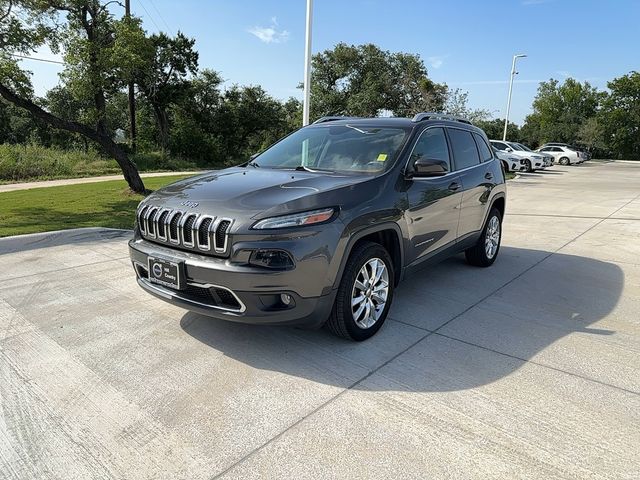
(192, 231)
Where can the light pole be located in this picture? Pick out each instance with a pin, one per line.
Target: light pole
(513, 73)
(307, 66)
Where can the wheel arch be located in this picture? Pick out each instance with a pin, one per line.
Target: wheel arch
(387, 234)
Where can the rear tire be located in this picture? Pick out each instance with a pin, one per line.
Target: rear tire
(564, 161)
(357, 289)
(486, 249)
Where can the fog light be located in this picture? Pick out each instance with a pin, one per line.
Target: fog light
(285, 298)
(276, 259)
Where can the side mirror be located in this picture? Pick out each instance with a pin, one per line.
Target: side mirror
(509, 149)
(429, 167)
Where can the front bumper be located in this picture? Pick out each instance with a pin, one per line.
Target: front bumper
(222, 290)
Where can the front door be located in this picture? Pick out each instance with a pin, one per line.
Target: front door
(434, 202)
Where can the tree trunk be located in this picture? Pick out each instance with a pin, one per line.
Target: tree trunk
(163, 126)
(129, 169)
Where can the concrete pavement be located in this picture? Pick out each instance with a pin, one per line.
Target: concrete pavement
(529, 369)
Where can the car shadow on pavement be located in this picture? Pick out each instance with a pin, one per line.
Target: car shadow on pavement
(487, 323)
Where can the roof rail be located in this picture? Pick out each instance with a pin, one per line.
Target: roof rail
(333, 118)
(440, 116)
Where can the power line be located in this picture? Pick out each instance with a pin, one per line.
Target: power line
(150, 17)
(161, 17)
(17, 55)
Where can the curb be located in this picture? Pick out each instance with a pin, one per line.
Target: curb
(31, 241)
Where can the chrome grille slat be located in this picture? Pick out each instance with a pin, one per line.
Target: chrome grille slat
(190, 230)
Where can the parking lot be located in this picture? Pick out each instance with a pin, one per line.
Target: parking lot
(529, 369)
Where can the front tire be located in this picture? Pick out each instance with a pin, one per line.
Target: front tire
(485, 251)
(528, 165)
(564, 161)
(365, 293)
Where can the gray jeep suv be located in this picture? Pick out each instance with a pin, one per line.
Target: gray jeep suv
(321, 227)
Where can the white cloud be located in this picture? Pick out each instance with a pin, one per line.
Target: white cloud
(270, 34)
(436, 61)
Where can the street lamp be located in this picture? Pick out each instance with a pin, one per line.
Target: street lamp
(513, 73)
(307, 66)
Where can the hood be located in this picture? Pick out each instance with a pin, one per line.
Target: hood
(247, 192)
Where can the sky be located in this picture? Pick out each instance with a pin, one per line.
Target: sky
(465, 44)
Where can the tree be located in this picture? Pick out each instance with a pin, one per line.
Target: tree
(559, 110)
(619, 117)
(88, 37)
(495, 128)
(162, 76)
(457, 104)
(591, 135)
(366, 81)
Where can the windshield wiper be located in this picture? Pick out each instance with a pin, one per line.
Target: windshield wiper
(302, 168)
(253, 164)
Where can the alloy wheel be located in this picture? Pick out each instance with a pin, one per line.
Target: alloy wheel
(370, 292)
(492, 237)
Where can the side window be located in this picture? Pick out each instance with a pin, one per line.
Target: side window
(545, 149)
(499, 146)
(465, 152)
(485, 152)
(431, 144)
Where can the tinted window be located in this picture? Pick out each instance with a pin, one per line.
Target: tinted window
(499, 146)
(485, 153)
(464, 148)
(431, 144)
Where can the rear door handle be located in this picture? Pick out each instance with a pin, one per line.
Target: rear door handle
(454, 186)
(488, 176)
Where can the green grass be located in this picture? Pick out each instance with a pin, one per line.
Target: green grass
(24, 163)
(101, 204)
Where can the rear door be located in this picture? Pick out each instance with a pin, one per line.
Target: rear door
(478, 172)
(434, 202)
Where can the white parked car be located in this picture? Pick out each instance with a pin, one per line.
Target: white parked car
(510, 163)
(549, 160)
(563, 155)
(533, 161)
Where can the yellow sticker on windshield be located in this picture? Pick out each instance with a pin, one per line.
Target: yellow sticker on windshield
(382, 157)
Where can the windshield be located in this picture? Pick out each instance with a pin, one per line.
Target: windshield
(525, 148)
(335, 148)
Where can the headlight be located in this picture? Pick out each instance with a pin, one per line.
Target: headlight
(514, 159)
(295, 220)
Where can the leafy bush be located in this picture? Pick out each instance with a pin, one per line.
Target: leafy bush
(31, 162)
(23, 162)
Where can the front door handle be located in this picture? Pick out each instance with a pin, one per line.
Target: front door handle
(488, 176)
(454, 186)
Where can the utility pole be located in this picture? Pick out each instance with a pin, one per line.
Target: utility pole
(513, 73)
(132, 94)
(307, 66)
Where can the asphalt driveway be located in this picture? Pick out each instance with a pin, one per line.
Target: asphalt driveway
(529, 369)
